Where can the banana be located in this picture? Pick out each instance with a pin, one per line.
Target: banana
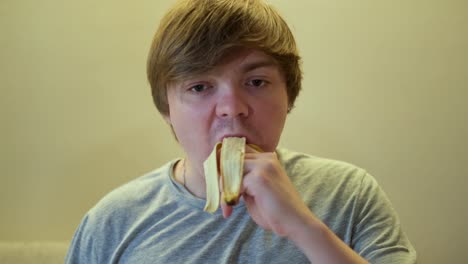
(230, 169)
(210, 166)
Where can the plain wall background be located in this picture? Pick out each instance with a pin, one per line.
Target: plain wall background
(385, 88)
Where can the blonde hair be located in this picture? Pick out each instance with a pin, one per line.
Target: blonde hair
(194, 35)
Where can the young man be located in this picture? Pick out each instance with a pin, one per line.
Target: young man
(231, 69)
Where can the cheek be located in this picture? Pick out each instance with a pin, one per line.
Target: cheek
(270, 122)
(183, 123)
(178, 110)
(275, 110)
(189, 123)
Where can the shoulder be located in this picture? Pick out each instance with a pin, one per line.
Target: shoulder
(305, 167)
(327, 184)
(128, 197)
(119, 209)
(106, 224)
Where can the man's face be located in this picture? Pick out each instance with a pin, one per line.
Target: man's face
(244, 96)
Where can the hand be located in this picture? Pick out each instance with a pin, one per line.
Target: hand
(270, 197)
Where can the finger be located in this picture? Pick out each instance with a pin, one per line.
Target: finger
(254, 212)
(260, 155)
(251, 148)
(253, 163)
(227, 210)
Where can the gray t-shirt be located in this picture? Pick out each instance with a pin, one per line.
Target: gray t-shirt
(154, 219)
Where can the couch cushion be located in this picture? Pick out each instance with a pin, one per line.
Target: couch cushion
(49, 252)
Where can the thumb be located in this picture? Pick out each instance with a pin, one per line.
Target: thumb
(227, 210)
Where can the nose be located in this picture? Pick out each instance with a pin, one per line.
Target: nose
(232, 104)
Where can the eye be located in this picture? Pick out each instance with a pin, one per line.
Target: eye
(198, 88)
(257, 82)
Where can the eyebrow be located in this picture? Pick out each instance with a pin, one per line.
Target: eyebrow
(256, 64)
(259, 64)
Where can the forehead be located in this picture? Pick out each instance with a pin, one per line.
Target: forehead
(240, 60)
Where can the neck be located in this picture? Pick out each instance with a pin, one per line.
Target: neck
(191, 177)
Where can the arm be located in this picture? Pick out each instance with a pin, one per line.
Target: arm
(320, 244)
(275, 205)
(81, 247)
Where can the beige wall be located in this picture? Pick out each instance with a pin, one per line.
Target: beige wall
(385, 88)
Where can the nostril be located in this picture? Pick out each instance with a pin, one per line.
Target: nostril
(231, 114)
